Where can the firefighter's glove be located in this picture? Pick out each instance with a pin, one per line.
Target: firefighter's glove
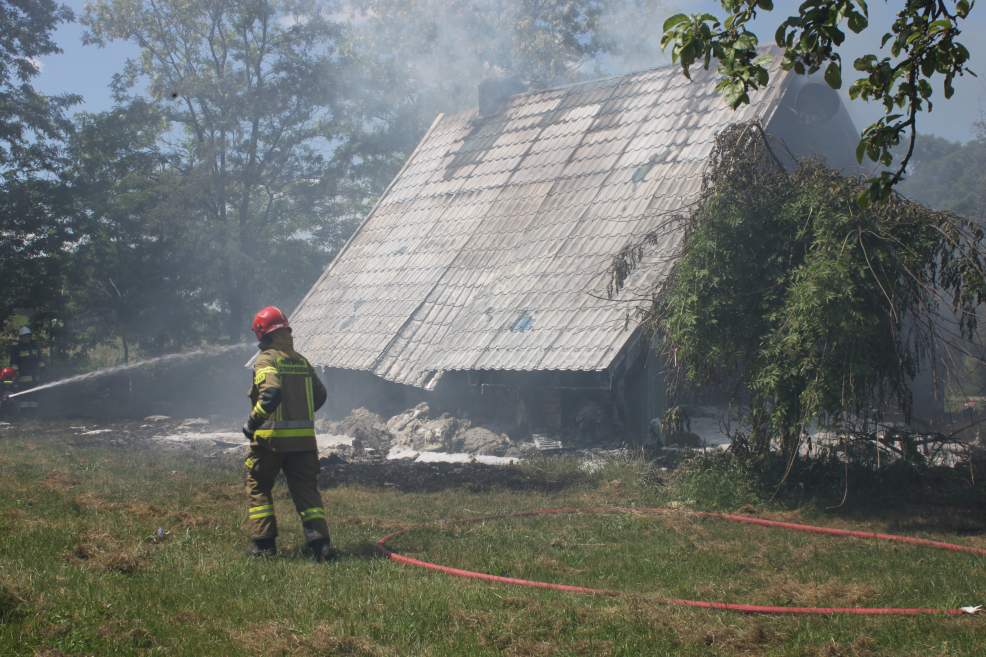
(250, 427)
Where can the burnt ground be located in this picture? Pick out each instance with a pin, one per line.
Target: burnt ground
(401, 475)
(938, 499)
(432, 477)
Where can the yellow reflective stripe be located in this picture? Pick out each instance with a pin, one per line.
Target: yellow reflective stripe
(311, 397)
(313, 513)
(291, 424)
(258, 512)
(261, 374)
(307, 432)
(260, 411)
(292, 366)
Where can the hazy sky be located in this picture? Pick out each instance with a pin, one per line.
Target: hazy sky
(87, 70)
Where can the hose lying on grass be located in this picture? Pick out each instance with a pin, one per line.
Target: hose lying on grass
(703, 604)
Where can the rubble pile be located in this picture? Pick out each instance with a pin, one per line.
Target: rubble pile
(416, 430)
(417, 434)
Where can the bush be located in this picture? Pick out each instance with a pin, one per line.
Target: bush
(715, 481)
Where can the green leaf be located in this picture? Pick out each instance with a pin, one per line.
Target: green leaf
(746, 41)
(780, 36)
(677, 19)
(857, 23)
(833, 75)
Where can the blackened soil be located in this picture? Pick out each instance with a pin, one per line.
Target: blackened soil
(428, 477)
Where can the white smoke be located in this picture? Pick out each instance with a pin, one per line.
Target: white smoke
(446, 47)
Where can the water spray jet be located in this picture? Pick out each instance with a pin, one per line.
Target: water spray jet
(168, 359)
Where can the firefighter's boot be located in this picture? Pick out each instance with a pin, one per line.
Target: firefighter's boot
(263, 547)
(319, 550)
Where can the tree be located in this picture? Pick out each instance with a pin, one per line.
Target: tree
(32, 126)
(252, 85)
(948, 175)
(951, 176)
(923, 42)
(131, 274)
(831, 317)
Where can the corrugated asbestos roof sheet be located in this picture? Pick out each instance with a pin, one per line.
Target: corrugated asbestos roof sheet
(489, 251)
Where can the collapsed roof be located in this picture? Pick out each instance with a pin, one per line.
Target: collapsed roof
(490, 249)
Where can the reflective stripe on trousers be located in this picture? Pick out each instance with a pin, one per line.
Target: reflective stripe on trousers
(314, 513)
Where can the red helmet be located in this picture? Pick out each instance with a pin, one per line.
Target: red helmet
(269, 320)
(8, 374)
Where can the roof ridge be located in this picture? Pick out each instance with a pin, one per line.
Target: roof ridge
(618, 76)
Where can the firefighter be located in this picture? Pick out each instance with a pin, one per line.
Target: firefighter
(8, 381)
(27, 360)
(281, 429)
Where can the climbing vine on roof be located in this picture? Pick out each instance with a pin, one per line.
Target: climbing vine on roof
(805, 305)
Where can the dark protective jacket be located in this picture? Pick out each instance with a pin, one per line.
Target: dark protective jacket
(29, 362)
(285, 395)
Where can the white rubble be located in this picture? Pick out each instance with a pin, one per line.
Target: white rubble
(405, 454)
(219, 443)
(416, 430)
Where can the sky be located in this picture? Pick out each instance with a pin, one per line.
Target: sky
(88, 70)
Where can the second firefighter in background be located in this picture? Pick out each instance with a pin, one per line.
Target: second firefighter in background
(27, 359)
(281, 429)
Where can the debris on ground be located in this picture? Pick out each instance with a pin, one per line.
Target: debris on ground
(366, 429)
(546, 444)
(418, 434)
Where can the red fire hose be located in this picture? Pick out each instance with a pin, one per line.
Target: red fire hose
(724, 606)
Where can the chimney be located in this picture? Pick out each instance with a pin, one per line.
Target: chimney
(494, 93)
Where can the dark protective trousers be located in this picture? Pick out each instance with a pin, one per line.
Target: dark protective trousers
(301, 471)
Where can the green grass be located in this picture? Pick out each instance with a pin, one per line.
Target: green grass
(82, 572)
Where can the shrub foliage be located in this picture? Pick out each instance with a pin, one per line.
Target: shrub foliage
(805, 302)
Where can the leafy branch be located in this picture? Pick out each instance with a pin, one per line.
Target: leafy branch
(923, 48)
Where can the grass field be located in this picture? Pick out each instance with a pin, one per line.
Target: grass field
(109, 551)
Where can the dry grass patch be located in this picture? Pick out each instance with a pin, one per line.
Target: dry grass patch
(862, 646)
(102, 551)
(277, 640)
(717, 634)
(170, 518)
(472, 619)
(739, 639)
(786, 590)
(91, 502)
(59, 481)
(126, 633)
(14, 515)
